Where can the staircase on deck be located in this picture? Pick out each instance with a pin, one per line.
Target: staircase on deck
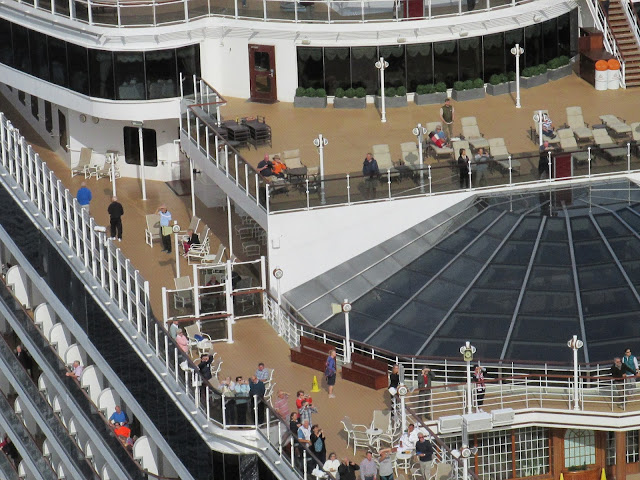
(626, 40)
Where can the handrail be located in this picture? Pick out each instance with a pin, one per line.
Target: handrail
(115, 14)
(610, 44)
(630, 13)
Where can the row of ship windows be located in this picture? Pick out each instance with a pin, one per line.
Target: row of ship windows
(99, 73)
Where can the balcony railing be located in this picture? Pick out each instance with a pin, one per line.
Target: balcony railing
(125, 13)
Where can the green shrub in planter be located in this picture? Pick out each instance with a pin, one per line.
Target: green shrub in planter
(390, 92)
(458, 86)
(530, 71)
(320, 92)
(401, 91)
(301, 92)
(511, 76)
(425, 89)
(361, 92)
(350, 93)
(468, 84)
(441, 87)
(310, 92)
(340, 93)
(478, 83)
(497, 79)
(542, 68)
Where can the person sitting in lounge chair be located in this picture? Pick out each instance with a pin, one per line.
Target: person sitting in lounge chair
(265, 167)
(440, 134)
(436, 139)
(279, 167)
(189, 240)
(547, 127)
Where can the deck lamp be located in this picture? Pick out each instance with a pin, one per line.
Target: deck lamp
(517, 51)
(382, 65)
(320, 143)
(467, 351)
(575, 345)
(420, 132)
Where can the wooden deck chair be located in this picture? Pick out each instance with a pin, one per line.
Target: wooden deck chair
(152, 232)
(438, 152)
(618, 127)
(575, 121)
(84, 166)
(184, 294)
(610, 149)
(471, 132)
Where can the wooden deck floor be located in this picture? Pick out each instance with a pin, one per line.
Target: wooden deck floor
(351, 134)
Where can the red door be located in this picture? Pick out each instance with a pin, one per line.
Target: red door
(414, 8)
(563, 165)
(262, 73)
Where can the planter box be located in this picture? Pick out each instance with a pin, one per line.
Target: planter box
(471, 94)
(559, 73)
(590, 474)
(391, 102)
(535, 81)
(345, 102)
(430, 98)
(310, 102)
(501, 88)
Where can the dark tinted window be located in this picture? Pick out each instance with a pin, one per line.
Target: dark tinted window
(470, 58)
(337, 69)
(78, 63)
(132, 146)
(129, 78)
(419, 65)
(101, 74)
(6, 48)
(445, 62)
(510, 40)
(39, 56)
(394, 75)
(533, 53)
(363, 68)
(22, 59)
(189, 65)
(493, 46)
(310, 67)
(161, 73)
(58, 62)
(550, 39)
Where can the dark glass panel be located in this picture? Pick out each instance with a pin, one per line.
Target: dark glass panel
(482, 221)
(35, 108)
(39, 57)
(462, 268)
(419, 317)
(599, 328)
(555, 230)
(394, 75)
(583, 229)
(366, 325)
(22, 59)
(378, 303)
(363, 68)
(480, 300)
(404, 283)
(551, 278)
(553, 254)
(457, 240)
(490, 327)
(553, 352)
(78, 68)
(48, 118)
(470, 58)
(616, 300)
(550, 39)
(445, 62)
(502, 276)
(310, 67)
(536, 328)
(441, 294)
(189, 65)
(611, 226)
(483, 248)
(160, 67)
(129, 67)
(533, 45)
(6, 50)
(514, 253)
(527, 230)
(58, 62)
(132, 146)
(431, 262)
(449, 347)
(399, 339)
(595, 277)
(419, 65)
(494, 62)
(589, 253)
(542, 303)
(630, 219)
(511, 38)
(101, 74)
(337, 69)
(626, 248)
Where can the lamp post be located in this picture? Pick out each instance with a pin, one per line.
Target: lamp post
(419, 132)
(176, 229)
(346, 308)
(538, 118)
(139, 125)
(382, 65)
(467, 351)
(321, 142)
(575, 345)
(517, 51)
(278, 274)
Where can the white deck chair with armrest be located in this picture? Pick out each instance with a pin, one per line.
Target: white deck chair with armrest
(383, 157)
(616, 125)
(198, 339)
(217, 258)
(500, 154)
(84, 166)
(437, 151)
(575, 121)
(610, 148)
(193, 225)
(184, 295)
(198, 251)
(568, 144)
(471, 132)
(152, 232)
(410, 155)
(355, 433)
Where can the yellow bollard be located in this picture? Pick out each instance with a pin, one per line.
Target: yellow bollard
(603, 476)
(561, 476)
(314, 387)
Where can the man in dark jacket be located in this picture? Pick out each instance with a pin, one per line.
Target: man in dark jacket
(257, 389)
(347, 470)
(618, 371)
(371, 172)
(115, 211)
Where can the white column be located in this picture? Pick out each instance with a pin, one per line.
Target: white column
(144, 185)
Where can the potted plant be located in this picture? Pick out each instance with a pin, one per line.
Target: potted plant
(500, 84)
(430, 94)
(468, 90)
(559, 67)
(393, 97)
(581, 472)
(310, 98)
(350, 98)
(534, 76)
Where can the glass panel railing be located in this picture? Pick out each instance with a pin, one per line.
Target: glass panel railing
(198, 9)
(251, 9)
(104, 14)
(169, 12)
(133, 15)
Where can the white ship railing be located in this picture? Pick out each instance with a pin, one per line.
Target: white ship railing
(125, 13)
(610, 45)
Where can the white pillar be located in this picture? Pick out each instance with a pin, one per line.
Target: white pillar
(347, 336)
(229, 227)
(144, 185)
(517, 51)
(193, 187)
(381, 65)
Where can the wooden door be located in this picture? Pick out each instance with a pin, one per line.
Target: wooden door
(262, 73)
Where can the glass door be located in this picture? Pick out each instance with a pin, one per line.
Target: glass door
(262, 72)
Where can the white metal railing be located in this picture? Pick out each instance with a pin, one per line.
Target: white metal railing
(601, 23)
(121, 13)
(447, 371)
(549, 392)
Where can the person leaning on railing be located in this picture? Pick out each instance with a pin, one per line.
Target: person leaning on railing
(619, 371)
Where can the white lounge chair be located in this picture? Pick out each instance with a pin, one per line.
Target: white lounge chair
(410, 155)
(568, 144)
(611, 150)
(198, 339)
(152, 232)
(618, 127)
(575, 121)
(500, 154)
(184, 295)
(383, 156)
(356, 433)
(438, 152)
(84, 165)
(472, 134)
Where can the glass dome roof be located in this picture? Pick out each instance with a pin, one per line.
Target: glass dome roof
(516, 274)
